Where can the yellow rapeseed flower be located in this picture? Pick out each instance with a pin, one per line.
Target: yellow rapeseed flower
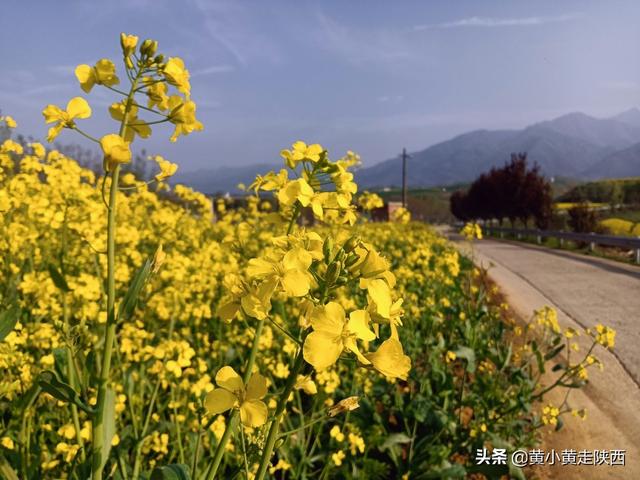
(167, 168)
(333, 333)
(103, 73)
(116, 151)
(9, 121)
(177, 75)
(76, 108)
(301, 151)
(233, 393)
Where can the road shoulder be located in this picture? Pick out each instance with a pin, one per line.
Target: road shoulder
(612, 398)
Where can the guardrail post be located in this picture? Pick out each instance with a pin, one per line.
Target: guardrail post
(561, 242)
(638, 253)
(539, 239)
(592, 245)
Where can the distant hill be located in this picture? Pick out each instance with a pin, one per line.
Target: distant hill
(222, 179)
(615, 132)
(575, 145)
(571, 146)
(622, 163)
(630, 117)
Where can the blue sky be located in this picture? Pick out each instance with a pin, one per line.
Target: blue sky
(371, 76)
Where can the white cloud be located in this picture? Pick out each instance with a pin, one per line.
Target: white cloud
(361, 46)
(624, 85)
(491, 22)
(390, 98)
(232, 26)
(213, 69)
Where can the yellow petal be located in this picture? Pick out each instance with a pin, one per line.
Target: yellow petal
(259, 268)
(219, 400)
(296, 283)
(229, 379)
(381, 295)
(322, 349)
(52, 113)
(253, 413)
(390, 360)
(86, 76)
(298, 259)
(78, 108)
(329, 318)
(358, 324)
(227, 311)
(351, 345)
(54, 132)
(256, 387)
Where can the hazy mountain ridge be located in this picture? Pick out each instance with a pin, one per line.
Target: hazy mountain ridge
(574, 145)
(222, 179)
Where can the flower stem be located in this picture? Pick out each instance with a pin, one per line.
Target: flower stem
(217, 456)
(103, 379)
(272, 436)
(97, 446)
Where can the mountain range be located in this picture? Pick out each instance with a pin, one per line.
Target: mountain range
(575, 145)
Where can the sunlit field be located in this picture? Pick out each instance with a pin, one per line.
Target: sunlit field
(147, 331)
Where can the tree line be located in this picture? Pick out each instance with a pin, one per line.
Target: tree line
(515, 191)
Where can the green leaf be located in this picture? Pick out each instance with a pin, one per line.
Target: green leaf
(50, 383)
(560, 424)
(60, 361)
(58, 279)
(554, 352)
(539, 360)
(6, 471)
(8, 320)
(395, 439)
(130, 300)
(176, 471)
(516, 472)
(469, 355)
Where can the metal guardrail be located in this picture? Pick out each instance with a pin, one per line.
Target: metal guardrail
(590, 238)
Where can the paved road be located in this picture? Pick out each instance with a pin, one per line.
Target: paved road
(588, 290)
(585, 291)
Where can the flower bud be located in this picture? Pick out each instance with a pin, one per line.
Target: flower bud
(342, 281)
(149, 47)
(159, 59)
(351, 244)
(333, 272)
(327, 248)
(351, 260)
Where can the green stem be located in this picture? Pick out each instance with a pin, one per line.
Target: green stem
(86, 135)
(244, 452)
(294, 217)
(275, 423)
(143, 433)
(284, 331)
(110, 333)
(110, 329)
(196, 454)
(178, 430)
(217, 456)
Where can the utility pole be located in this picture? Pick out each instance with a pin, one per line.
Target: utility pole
(404, 177)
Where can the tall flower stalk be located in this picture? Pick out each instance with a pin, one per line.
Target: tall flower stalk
(149, 75)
